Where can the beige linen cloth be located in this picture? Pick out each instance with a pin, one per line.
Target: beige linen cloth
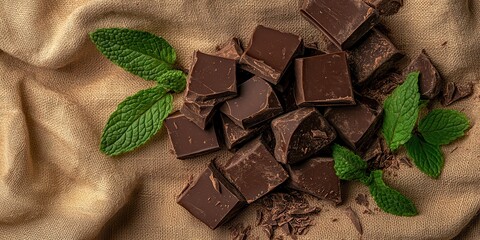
(57, 91)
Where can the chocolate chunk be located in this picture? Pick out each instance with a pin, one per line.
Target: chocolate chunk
(270, 52)
(205, 202)
(188, 139)
(317, 177)
(300, 134)
(235, 136)
(456, 91)
(323, 80)
(385, 7)
(344, 22)
(430, 81)
(380, 89)
(211, 77)
(254, 171)
(374, 56)
(355, 220)
(199, 112)
(356, 124)
(231, 50)
(257, 103)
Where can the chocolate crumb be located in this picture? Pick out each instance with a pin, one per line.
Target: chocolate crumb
(444, 43)
(239, 232)
(362, 200)
(334, 219)
(354, 218)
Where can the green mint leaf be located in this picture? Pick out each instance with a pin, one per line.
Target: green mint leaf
(401, 112)
(348, 165)
(426, 156)
(442, 126)
(388, 199)
(140, 53)
(136, 119)
(172, 80)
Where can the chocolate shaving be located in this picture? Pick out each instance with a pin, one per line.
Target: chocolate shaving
(355, 220)
(289, 211)
(406, 161)
(215, 183)
(444, 43)
(239, 232)
(453, 150)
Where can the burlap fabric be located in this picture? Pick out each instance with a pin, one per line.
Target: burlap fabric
(57, 92)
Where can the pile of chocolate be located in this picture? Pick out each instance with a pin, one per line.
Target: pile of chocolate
(280, 104)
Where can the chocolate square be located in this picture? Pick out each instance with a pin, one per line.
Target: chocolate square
(356, 124)
(256, 103)
(270, 52)
(323, 80)
(188, 139)
(232, 49)
(211, 77)
(374, 56)
(300, 134)
(317, 177)
(254, 171)
(211, 198)
(385, 7)
(344, 22)
(234, 135)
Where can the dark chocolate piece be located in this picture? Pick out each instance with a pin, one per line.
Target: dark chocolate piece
(344, 22)
(211, 198)
(199, 112)
(257, 103)
(356, 124)
(234, 135)
(231, 50)
(456, 91)
(373, 57)
(380, 89)
(270, 52)
(385, 7)
(188, 139)
(254, 171)
(317, 177)
(430, 81)
(323, 80)
(300, 134)
(211, 77)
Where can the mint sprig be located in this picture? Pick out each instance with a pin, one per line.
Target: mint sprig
(426, 156)
(389, 199)
(140, 116)
(401, 112)
(349, 166)
(138, 52)
(136, 119)
(439, 127)
(442, 126)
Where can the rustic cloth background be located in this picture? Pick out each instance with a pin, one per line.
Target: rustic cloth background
(57, 92)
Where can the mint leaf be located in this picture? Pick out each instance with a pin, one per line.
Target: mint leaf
(401, 112)
(427, 157)
(172, 80)
(136, 119)
(348, 165)
(140, 53)
(442, 126)
(388, 199)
